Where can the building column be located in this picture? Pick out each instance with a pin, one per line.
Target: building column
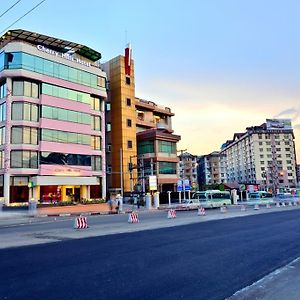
(85, 191)
(7, 148)
(103, 186)
(6, 188)
(36, 193)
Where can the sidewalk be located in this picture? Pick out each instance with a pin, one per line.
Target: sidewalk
(80, 209)
(74, 210)
(281, 284)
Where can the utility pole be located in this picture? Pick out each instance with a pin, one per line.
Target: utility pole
(151, 166)
(130, 172)
(121, 170)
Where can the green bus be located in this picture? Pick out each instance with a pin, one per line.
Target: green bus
(260, 197)
(213, 198)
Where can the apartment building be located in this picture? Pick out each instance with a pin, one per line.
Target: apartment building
(52, 99)
(264, 155)
(187, 169)
(211, 168)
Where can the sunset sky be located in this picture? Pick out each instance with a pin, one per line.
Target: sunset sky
(219, 65)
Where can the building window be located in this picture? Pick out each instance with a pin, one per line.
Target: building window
(101, 81)
(167, 167)
(145, 147)
(96, 103)
(96, 123)
(56, 158)
(25, 88)
(129, 144)
(1, 162)
(2, 135)
(23, 159)
(167, 147)
(3, 90)
(108, 127)
(108, 106)
(129, 123)
(20, 60)
(61, 114)
(60, 92)
(127, 80)
(24, 135)
(128, 101)
(24, 111)
(65, 137)
(3, 112)
(96, 142)
(96, 163)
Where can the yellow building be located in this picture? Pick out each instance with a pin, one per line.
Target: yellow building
(130, 119)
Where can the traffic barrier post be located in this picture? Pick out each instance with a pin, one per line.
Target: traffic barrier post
(201, 211)
(133, 217)
(80, 223)
(171, 214)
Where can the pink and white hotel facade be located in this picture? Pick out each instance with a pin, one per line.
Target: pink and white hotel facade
(52, 119)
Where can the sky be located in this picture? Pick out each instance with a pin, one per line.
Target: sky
(220, 66)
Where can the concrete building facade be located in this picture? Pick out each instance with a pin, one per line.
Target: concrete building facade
(264, 155)
(52, 126)
(140, 137)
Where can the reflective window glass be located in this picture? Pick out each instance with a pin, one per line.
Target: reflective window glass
(34, 90)
(27, 88)
(47, 112)
(16, 159)
(38, 64)
(33, 160)
(34, 113)
(34, 136)
(18, 88)
(26, 159)
(17, 111)
(26, 135)
(49, 67)
(27, 111)
(28, 61)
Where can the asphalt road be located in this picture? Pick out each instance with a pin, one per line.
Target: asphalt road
(209, 260)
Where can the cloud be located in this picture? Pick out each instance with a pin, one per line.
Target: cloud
(292, 113)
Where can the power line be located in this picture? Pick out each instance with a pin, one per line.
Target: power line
(23, 16)
(9, 8)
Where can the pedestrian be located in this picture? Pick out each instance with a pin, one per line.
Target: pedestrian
(138, 203)
(110, 204)
(118, 206)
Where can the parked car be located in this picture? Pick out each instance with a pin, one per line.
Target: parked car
(189, 204)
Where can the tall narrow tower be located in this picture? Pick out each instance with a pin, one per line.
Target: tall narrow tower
(121, 131)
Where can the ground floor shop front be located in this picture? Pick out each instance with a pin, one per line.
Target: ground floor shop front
(51, 189)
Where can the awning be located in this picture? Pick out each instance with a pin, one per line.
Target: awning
(65, 180)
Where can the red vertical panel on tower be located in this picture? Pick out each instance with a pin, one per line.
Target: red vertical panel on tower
(127, 60)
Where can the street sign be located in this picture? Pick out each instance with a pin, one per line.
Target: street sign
(153, 183)
(242, 187)
(187, 186)
(179, 186)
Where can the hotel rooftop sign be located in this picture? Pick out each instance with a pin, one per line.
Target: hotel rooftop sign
(66, 55)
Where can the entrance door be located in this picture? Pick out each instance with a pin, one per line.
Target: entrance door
(76, 194)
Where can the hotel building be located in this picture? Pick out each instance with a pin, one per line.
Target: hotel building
(52, 134)
(263, 155)
(140, 139)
